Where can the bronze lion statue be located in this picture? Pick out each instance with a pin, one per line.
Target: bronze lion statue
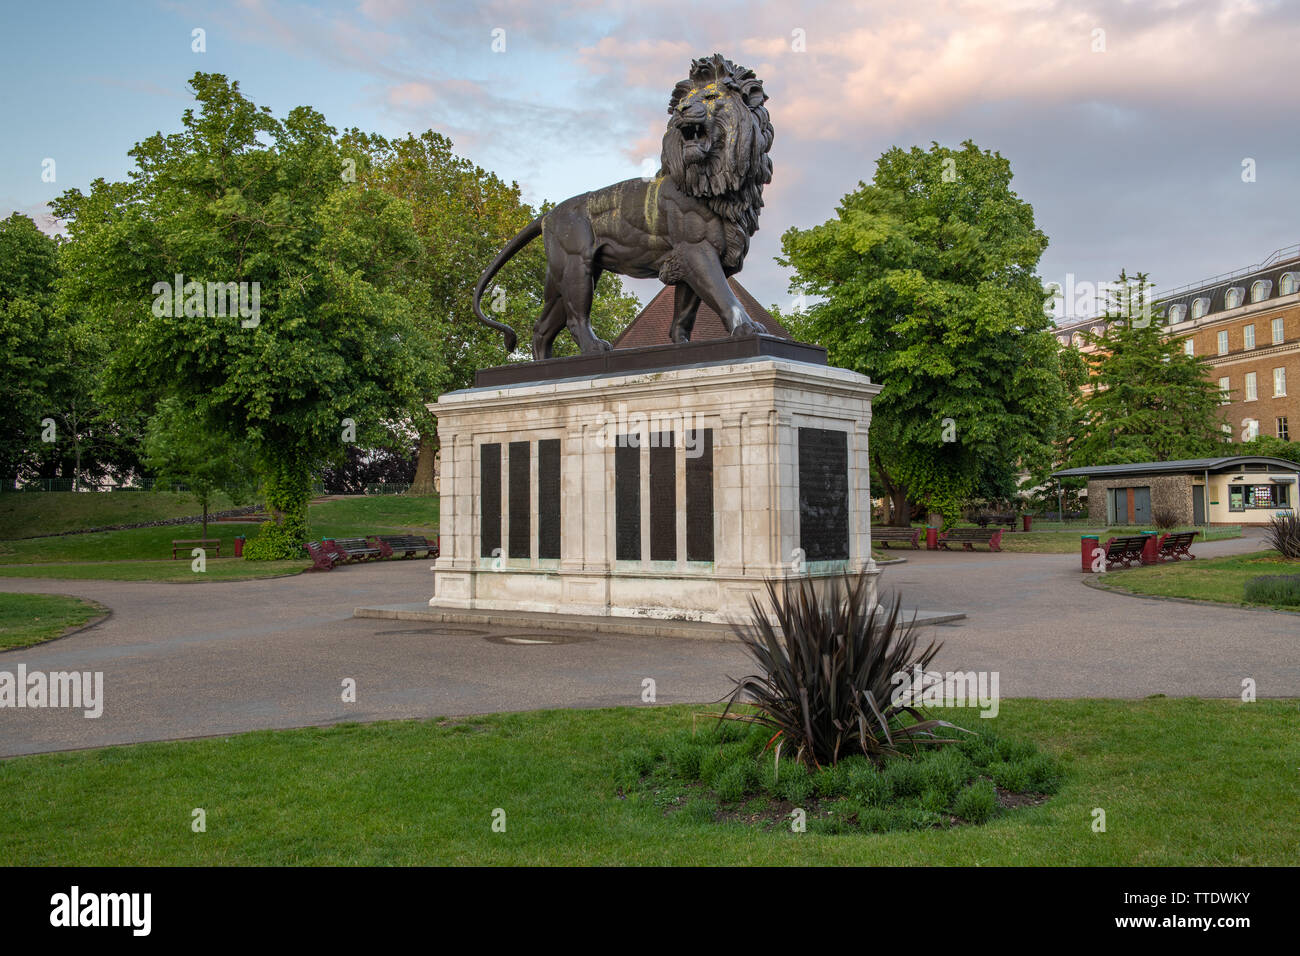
(690, 225)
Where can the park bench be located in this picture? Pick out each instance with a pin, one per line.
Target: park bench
(352, 549)
(1177, 545)
(969, 537)
(321, 560)
(984, 520)
(886, 535)
(1125, 550)
(404, 545)
(213, 544)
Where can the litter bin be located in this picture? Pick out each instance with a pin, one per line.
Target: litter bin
(1026, 521)
(1089, 544)
(1151, 547)
(931, 538)
(239, 545)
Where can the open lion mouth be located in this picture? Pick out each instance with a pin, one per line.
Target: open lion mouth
(695, 134)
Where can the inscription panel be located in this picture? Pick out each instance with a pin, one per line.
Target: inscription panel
(663, 497)
(627, 500)
(699, 495)
(520, 505)
(824, 494)
(548, 498)
(489, 492)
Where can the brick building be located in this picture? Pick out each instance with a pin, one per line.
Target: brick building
(1246, 325)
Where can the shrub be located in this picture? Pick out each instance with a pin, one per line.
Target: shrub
(1164, 519)
(1283, 535)
(698, 811)
(1044, 774)
(712, 762)
(945, 773)
(633, 765)
(1015, 750)
(1280, 589)
(905, 777)
(831, 782)
(976, 802)
(1011, 775)
(980, 749)
(825, 676)
(793, 782)
(867, 785)
(736, 780)
(684, 759)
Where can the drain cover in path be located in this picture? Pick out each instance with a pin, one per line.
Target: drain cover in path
(553, 637)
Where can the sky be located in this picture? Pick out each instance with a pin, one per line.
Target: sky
(1155, 136)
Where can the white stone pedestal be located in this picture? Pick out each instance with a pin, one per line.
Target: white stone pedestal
(759, 411)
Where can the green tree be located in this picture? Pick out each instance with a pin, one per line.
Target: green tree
(180, 450)
(929, 286)
(321, 266)
(1149, 400)
(463, 216)
(30, 342)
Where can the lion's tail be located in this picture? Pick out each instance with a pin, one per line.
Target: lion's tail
(523, 238)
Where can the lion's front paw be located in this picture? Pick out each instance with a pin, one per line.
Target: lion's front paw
(745, 327)
(604, 346)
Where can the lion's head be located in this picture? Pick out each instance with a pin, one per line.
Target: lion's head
(717, 142)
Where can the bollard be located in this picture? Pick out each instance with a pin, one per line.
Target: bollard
(1089, 544)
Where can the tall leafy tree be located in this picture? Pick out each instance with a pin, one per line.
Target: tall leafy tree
(463, 216)
(241, 196)
(1148, 400)
(928, 283)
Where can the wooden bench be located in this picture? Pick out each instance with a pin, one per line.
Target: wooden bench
(886, 535)
(984, 520)
(1124, 551)
(1177, 545)
(213, 544)
(404, 545)
(969, 537)
(352, 549)
(321, 560)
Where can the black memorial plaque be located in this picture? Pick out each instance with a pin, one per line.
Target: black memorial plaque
(823, 494)
(520, 505)
(663, 498)
(548, 498)
(627, 500)
(489, 494)
(699, 495)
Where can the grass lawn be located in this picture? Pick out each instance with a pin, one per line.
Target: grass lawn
(27, 619)
(1067, 542)
(144, 554)
(1182, 782)
(1205, 579)
(27, 513)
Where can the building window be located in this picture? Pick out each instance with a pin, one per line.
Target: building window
(1223, 342)
(1188, 347)
(1252, 391)
(1232, 298)
(1065, 340)
(1246, 497)
(1283, 432)
(1248, 336)
(1200, 306)
(1279, 382)
(1225, 391)
(1288, 284)
(1076, 340)
(1260, 289)
(1277, 331)
(1176, 313)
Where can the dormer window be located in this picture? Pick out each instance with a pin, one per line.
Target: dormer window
(1176, 313)
(1233, 297)
(1288, 284)
(1260, 289)
(1200, 306)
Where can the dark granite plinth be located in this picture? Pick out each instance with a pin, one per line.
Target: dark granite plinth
(650, 357)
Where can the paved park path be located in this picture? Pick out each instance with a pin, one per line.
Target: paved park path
(186, 660)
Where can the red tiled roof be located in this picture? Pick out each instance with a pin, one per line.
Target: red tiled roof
(652, 325)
